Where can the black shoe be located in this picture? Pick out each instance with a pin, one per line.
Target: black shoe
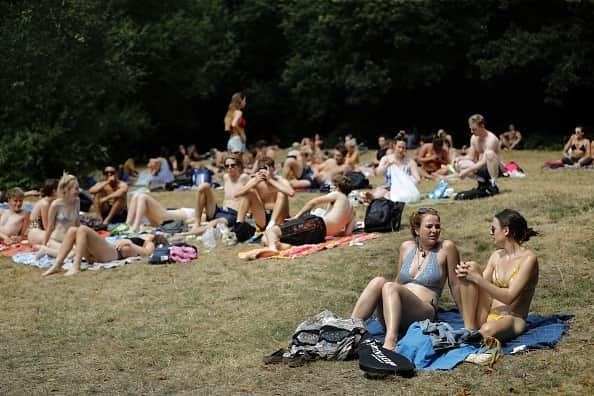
(492, 189)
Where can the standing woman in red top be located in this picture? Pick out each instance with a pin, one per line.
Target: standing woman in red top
(235, 124)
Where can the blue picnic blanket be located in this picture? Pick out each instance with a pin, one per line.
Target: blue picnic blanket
(541, 332)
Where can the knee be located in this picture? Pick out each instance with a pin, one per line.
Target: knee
(82, 229)
(490, 155)
(391, 288)
(376, 283)
(488, 329)
(203, 187)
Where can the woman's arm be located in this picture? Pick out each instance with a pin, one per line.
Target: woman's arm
(402, 252)
(568, 145)
(236, 117)
(414, 171)
(51, 223)
(452, 261)
(528, 270)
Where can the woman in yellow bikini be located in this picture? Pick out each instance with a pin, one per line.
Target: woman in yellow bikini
(498, 301)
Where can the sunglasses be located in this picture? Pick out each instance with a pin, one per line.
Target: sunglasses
(492, 230)
(425, 210)
(229, 166)
(109, 173)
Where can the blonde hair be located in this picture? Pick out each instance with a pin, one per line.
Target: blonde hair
(16, 193)
(234, 105)
(477, 119)
(66, 181)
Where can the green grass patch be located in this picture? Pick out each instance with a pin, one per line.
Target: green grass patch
(203, 327)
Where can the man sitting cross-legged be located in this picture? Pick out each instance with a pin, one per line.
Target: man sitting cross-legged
(234, 179)
(110, 197)
(306, 228)
(265, 195)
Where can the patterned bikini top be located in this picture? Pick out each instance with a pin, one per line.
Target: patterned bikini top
(430, 277)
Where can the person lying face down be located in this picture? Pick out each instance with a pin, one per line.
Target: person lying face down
(94, 248)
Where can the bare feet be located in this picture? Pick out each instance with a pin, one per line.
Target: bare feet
(72, 271)
(52, 270)
(41, 252)
(391, 346)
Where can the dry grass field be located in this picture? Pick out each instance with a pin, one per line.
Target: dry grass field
(204, 326)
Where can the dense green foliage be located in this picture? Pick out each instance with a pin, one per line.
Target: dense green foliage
(83, 82)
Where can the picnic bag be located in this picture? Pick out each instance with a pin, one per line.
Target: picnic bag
(383, 215)
(243, 231)
(173, 226)
(160, 255)
(358, 180)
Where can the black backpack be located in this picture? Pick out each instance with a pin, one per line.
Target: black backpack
(383, 215)
(358, 180)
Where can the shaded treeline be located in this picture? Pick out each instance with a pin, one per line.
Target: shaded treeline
(85, 82)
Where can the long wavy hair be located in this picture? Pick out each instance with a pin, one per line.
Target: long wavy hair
(234, 105)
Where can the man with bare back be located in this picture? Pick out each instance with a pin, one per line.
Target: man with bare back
(482, 158)
(306, 228)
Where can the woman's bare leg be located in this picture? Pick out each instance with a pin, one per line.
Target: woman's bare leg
(401, 308)
(475, 304)
(370, 299)
(65, 248)
(205, 201)
(90, 244)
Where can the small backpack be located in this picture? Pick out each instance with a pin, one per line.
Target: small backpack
(173, 226)
(243, 231)
(160, 255)
(358, 180)
(383, 215)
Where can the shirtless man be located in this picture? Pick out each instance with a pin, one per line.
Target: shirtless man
(333, 166)
(265, 195)
(233, 180)
(432, 156)
(297, 169)
(14, 221)
(306, 228)
(510, 139)
(110, 197)
(482, 158)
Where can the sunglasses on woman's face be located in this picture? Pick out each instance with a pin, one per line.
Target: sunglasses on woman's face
(229, 166)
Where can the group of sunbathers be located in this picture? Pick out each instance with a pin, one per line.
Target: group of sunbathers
(259, 190)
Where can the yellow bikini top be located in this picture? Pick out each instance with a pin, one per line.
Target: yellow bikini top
(504, 283)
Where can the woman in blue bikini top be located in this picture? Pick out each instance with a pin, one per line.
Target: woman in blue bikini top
(424, 265)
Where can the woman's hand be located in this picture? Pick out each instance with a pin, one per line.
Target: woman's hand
(469, 271)
(120, 243)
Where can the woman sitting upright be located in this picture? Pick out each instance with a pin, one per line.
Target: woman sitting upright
(424, 265)
(497, 301)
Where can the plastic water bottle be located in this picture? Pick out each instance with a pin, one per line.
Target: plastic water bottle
(439, 190)
(208, 239)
